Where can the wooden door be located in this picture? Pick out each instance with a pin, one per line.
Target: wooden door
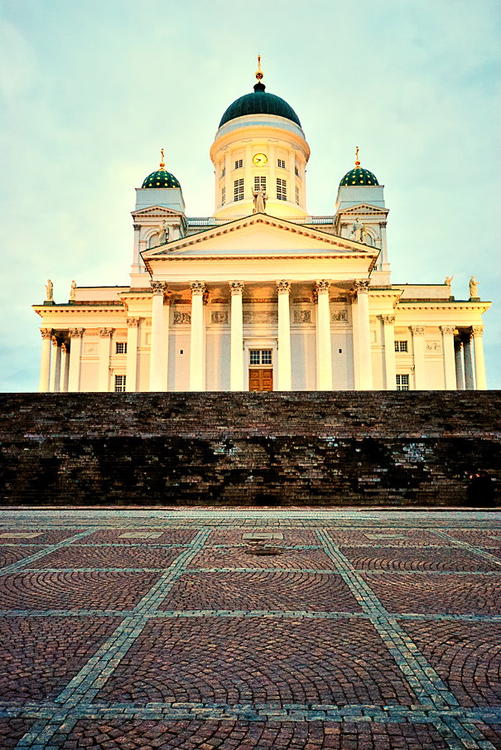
(260, 380)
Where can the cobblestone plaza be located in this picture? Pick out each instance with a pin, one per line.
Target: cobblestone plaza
(138, 629)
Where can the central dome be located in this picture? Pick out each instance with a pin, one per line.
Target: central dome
(259, 103)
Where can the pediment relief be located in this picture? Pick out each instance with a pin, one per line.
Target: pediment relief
(364, 208)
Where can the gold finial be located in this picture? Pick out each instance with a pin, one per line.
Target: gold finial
(357, 163)
(259, 72)
(162, 162)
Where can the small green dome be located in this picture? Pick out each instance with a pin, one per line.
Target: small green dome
(160, 179)
(359, 176)
(259, 103)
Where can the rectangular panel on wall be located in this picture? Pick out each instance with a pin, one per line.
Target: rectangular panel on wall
(218, 360)
(179, 360)
(342, 361)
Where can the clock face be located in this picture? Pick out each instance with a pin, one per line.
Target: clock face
(260, 160)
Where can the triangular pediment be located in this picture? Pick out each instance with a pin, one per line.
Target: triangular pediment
(155, 211)
(364, 208)
(259, 235)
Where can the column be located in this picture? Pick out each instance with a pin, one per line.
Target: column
(284, 337)
(324, 345)
(469, 377)
(65, 367)
(132, 340)
(449, 357)
(478, 333)
(197, 339)
(237, 337)
(389, 352)
(363, 343)
(458, 351)
(103, 378)
(55, 373)
(418, 354)
(76, 335)
(157, 348)
(44, 382)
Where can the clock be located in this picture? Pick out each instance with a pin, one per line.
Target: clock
(260, 160)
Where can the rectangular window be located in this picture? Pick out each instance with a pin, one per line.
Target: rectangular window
(281, 163)
(223, 196)
(281, 189)
(260, 357)
(239, 163)
(238, 189)
(260, 183)
(401, 346)
(120, 347)
(120, 383)
(402, 382)
(297, 195)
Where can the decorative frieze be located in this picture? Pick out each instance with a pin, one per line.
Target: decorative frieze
(181, 318)
(301, 316)
(258, 317)
(219, 317)
(339, 316)
(432, 346)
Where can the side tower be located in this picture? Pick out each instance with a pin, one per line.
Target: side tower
(159, 217)
(260, 147)
(361, 215)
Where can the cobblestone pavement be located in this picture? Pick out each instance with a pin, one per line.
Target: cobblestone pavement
(252, 629)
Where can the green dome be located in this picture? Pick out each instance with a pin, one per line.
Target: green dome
(359, 176)
(160, 179)
(259, 103)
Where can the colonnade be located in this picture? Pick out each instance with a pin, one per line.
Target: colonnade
(469, 359)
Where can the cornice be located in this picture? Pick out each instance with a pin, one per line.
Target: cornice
(440, 304)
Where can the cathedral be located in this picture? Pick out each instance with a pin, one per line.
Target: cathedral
(261, 295)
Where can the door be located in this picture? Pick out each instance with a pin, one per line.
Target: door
(260, 380)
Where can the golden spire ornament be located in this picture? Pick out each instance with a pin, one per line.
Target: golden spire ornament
(259, 71)
(162, 158)
(357, 162)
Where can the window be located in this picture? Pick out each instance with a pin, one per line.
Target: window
(238, 189)
(297, 195)
(401, 346)
(239, 163)
(281, 189)
(120, 347)
(223, 196)
(120, 383)
(260, 357)
(259, 183)
(402, 382)
(281, 163)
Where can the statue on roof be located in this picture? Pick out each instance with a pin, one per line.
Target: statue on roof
(49, 291)
(260, 199)
(73, 290)
(473, 286)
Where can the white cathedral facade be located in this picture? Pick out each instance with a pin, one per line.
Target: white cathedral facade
(261, 295)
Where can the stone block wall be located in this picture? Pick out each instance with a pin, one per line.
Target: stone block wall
(300, 448)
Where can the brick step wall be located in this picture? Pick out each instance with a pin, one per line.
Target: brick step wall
(336, 448)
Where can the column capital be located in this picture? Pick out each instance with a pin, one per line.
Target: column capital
(477, 331)
(447, 330)
(361, 286)
(104, 332)
(132, 322)
(198, 288)
(46, 333)
(283, 286)
(158, 287)
(388, 320)
(417, 330)
(236, 287)
(76, 333)
(320, 287)
(136, 227)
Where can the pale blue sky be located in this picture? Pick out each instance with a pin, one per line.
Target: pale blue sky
(91, 89)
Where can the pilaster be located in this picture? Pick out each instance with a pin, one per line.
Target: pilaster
(418, 354)
(104, 359)
(197, 337)
(76, 335)
(132, 341)
(324, 345)
(158, 372)
(449, 357)
(44, 382)
(362, 346)
(237, 337)
(284, 337)
(390, 369)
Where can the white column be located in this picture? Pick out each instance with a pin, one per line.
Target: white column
(44, 382)
(136, 258)
(157, 365)
(197, 339)
(55, 372)
(76, 335)
(165, 343)
(65, 368)
(390, 370)
(324, 345)
(418, 354)
(103, 379)
(449, 357)
(458, 351)
(132, 340)
(480, 378)
(363, 348)
(284, 337)
(469, 377)
(237, 337)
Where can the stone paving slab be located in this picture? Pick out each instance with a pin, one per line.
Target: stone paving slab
(142, 629)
